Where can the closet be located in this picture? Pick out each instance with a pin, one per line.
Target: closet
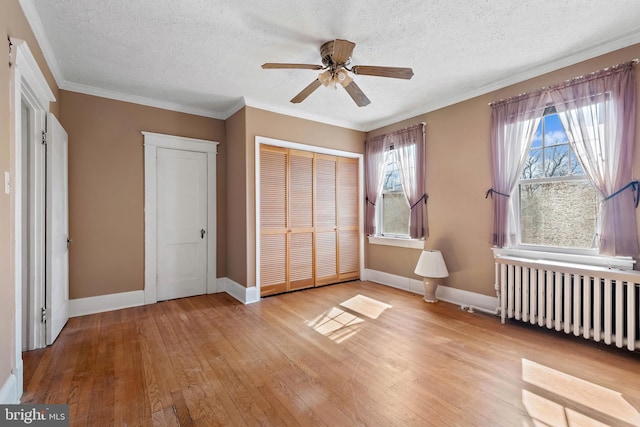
(309, 219)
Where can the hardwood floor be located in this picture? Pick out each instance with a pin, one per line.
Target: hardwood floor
(305, 359)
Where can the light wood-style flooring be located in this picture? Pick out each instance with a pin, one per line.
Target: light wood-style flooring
(349, 354)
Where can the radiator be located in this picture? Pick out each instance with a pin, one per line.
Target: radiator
(597, 303)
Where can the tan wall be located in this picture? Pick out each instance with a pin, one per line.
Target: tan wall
(106, 187)
(236, 229)
(12, 24)
(278, 126)
(458, 174)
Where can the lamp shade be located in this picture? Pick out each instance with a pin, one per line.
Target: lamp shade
(431, 264)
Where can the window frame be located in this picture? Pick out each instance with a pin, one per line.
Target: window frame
(515, 196)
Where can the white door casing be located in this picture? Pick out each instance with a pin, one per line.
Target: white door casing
(25, 134)
(27, 81)
(152, 143)
(182, 223)
(33, 223)
(34, 204)
(57, 247)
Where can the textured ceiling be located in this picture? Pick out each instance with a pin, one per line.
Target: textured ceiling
(204, 56)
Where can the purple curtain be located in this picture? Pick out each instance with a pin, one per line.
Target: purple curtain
(409, 144)
(513, 125)
(598, 112)
(374, 169)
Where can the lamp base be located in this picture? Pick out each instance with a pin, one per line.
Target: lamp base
(430, 287)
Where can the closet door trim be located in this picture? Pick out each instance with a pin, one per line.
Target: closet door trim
(260, 140)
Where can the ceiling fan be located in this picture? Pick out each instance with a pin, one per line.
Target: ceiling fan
(336, 63)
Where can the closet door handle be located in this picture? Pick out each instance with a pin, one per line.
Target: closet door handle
(202, 231)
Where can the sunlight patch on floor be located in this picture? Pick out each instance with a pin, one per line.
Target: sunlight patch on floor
(340, 325)
(546, 412)
(366, 306)
(336, 324)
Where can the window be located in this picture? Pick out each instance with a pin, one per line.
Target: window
(558, 206)
(553, 205)
(394, 213)
(395, 190)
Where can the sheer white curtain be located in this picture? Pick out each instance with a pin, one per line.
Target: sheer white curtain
(513, 125)
(598, 113)
(409, 144)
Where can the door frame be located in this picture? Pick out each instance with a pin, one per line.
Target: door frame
(34, 217)
(260, 140)
(28, 82)
(153, 141)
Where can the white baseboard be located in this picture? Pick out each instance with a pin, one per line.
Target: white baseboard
(102, 303)
(9, 394)
(393, 280)
(460, 297)
(239, 292)
(110, 302)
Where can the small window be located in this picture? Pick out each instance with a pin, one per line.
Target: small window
(558, 206)
(395, 210)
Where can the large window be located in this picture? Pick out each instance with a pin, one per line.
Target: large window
(541, 191)
(558, 206)
(394, 212)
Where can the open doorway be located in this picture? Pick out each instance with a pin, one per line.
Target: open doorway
(44, 228)
(38, 189)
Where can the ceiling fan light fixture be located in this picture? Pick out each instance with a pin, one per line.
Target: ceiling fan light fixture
(325, 77)
(332, 78)
(343, 77)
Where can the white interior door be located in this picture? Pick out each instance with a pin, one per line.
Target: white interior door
(57, 230)
(182, 223)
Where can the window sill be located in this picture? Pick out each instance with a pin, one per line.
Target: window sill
(621, 263)
(397, 242)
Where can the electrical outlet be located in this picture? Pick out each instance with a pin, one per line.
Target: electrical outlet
(7, 182)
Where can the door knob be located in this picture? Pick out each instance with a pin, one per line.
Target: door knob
(202, 231)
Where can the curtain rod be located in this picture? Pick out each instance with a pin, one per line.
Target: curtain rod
(584, 77)
(423, 124)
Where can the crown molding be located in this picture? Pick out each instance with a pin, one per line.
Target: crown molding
(237, 106)
(140, 100)
(30, 12)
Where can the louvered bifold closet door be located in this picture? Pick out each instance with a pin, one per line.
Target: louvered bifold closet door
(326, 255)
(273, 220)
(348, 219)
(300, 219)
(309, 219)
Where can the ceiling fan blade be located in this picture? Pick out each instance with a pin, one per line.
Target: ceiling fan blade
(357, 95)
(306, 91)
(394, 72)
(269, 65)
(342, 50)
